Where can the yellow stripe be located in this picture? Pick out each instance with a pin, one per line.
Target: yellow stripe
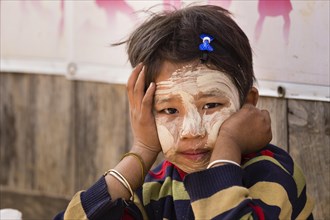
(156, 191)
(247, 216)
(299, 178)
(75, 209)
(138, 203)
(273, 194)
(219, 202)
(260, 158)
(179, 191)
(307, 210)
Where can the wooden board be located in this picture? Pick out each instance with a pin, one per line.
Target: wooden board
(36, 133)
(100, 129)
(277, 109)
(309, 139)
(34, 206)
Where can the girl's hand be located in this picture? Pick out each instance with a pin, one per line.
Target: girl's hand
(249, 129)
(141, 112)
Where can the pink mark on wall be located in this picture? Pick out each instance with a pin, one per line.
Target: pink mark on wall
(113, 7)
(222, 3)
(44, 13)
(170, 5)
(274, 8)
(61, 22)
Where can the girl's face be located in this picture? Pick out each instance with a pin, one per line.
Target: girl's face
(190, 106)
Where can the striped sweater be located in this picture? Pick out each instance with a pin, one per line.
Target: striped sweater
(269, 185)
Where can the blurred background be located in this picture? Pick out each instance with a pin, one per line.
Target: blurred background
(63, 105)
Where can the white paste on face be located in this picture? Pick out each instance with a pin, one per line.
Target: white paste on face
(187, 85)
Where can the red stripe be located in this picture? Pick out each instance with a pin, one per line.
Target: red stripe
(267, 153)
(258, 211)
(181, 173)
(161, 174)
(247, 157)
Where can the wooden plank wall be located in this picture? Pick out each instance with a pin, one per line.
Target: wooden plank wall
(58, 136)
(309, 141)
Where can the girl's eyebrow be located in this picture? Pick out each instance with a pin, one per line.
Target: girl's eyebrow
(211, 93)
(161, 100)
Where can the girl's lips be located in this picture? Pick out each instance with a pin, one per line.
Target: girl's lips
(195, 155)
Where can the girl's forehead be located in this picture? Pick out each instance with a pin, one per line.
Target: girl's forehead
(193, 78)
(190, 81)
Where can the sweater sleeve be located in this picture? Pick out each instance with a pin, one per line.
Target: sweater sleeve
(96, 203)
(268, 186)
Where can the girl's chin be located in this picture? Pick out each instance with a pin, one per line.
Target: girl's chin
(190, 169)
(187, 164)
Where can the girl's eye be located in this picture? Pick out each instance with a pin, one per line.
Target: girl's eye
(211, 105)
(170, 111)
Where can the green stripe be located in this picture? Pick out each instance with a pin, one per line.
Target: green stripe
(261, 158)
(299, 178)
(156, 191)
(247, 216)
(298, 175)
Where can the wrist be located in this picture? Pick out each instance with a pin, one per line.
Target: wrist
(148, 156)
(222, 162)
(133, 167)
(226, 149)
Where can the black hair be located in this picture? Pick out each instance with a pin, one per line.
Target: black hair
(174, 36)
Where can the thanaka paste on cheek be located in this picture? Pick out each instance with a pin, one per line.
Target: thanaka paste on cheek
(166, 132)
(214, 121)
(191, 122)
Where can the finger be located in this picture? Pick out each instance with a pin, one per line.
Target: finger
(267, 119)
(147, 102)
(139, 89)
(266, 116)
(132, 81)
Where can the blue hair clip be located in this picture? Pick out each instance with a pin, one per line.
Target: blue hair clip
(205, 46)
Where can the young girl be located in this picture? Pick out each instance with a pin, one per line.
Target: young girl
(191, 96)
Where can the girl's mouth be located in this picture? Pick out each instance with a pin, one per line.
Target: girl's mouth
(195, 155)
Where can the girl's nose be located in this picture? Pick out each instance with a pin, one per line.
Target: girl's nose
(192, 126)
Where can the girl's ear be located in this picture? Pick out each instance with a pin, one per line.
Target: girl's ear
(252, 97)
